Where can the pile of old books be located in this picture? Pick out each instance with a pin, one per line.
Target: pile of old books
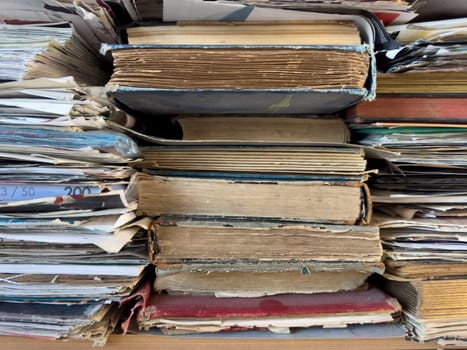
(255, 202)
(260, 218)
(232, 230)
(420, 194)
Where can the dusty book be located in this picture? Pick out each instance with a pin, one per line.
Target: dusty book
(319, 201)
(251, 258)
(176, 314)
(265, 67)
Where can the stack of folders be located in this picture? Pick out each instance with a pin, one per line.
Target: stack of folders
(72, 245)
(419, 196)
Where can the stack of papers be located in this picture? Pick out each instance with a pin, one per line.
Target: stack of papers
(388, 11)
(94, 21)
(71, 242)
(420, 196)
(433, 54)
(47, 50)
(428, 46)
(37, 319)
(55, 38)
(420, 205)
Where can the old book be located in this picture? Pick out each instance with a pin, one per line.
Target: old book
(409, 109)
(235, 283)
(339, 202)
(247, 33)
(433, 309)
(324, 160)
(238, 68)
(192, 314)
(277, 129)
(422, 83)
(250, 67)
(198, 240)
(424, 269)
(432, 299)
(251, 258)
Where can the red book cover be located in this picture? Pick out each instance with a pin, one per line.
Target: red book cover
(175, 306)
(150, 305)
(286, 310)
(410, 109)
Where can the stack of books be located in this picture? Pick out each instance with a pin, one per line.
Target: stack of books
(256, 206)
(419, 195)
(257, 209)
